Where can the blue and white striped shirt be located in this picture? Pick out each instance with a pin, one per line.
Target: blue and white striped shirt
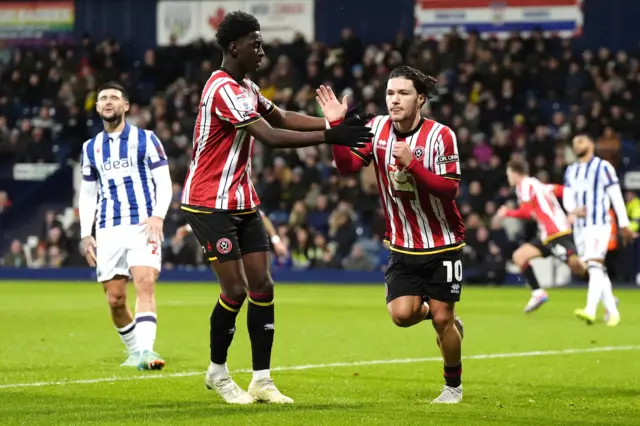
(588, 183)
(122, 165)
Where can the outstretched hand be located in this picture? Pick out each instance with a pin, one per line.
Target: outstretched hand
(332, 109)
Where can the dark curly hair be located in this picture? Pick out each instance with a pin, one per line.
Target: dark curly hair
(425, 84)
(235, 26)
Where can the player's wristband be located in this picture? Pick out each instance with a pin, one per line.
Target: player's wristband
(334, 123)
(275, 239)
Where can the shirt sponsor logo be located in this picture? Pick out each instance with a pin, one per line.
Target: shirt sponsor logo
(444, 159)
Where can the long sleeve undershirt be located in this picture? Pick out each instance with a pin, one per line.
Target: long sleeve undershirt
(164, 190)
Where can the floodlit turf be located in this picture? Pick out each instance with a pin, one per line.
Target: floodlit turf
(521, 369)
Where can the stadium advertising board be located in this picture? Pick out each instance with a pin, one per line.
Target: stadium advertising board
(36, 22)
(191, 20)
(28, 171)
(498, 17)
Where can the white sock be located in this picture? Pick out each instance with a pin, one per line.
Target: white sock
(596, 283)
(608, 299)
(146, 330)
(128, 336)
(217, 371)
(261, 374)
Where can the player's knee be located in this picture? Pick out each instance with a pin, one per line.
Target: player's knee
(442, 320)
(145, 284)
(402, 319)
(117, 300)
(262, 284)
(519, 258)
(401, 316)
(236, 291)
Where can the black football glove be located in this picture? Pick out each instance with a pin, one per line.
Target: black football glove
(358, 119)
(354, 110)
(356, 136)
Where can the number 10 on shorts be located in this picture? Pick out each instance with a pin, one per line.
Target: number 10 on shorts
(454, 269)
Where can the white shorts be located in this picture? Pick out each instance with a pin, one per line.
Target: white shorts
(121, 247)
(592, 242)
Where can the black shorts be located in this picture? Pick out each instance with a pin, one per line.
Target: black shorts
(227, 236)
(431, 276)
(562, 247)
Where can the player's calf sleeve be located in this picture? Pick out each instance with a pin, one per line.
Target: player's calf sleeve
(223, 328)
(453, 375)
(260, 322)
(530, 276)
(452, 371)
(146, 326)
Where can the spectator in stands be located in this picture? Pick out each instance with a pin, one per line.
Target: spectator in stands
(298, 216)
(342, 232)
(319, 253)
(39, 258)
(15, 257)
(56, 257)
(182, 250)
(50, 222)
(358, 260)
(302, 249)
(318, 217)
(4, 201)
(609, 146)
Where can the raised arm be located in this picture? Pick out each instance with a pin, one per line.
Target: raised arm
(349, 160)
(295, 121)
(282, 119)
(232, 104)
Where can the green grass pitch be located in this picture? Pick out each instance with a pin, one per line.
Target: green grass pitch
(339, 356)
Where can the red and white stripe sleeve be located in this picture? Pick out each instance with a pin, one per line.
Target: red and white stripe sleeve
(232, 103)
(446, 157)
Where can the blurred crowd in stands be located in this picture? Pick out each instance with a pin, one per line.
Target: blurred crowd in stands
(518, 97)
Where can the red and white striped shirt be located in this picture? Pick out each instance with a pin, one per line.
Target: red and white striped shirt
(219, 177)
(416, 221)
(538, 202)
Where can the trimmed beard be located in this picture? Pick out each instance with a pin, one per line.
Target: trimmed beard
(116, 119)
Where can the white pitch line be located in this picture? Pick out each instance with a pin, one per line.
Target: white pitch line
(333, 365)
